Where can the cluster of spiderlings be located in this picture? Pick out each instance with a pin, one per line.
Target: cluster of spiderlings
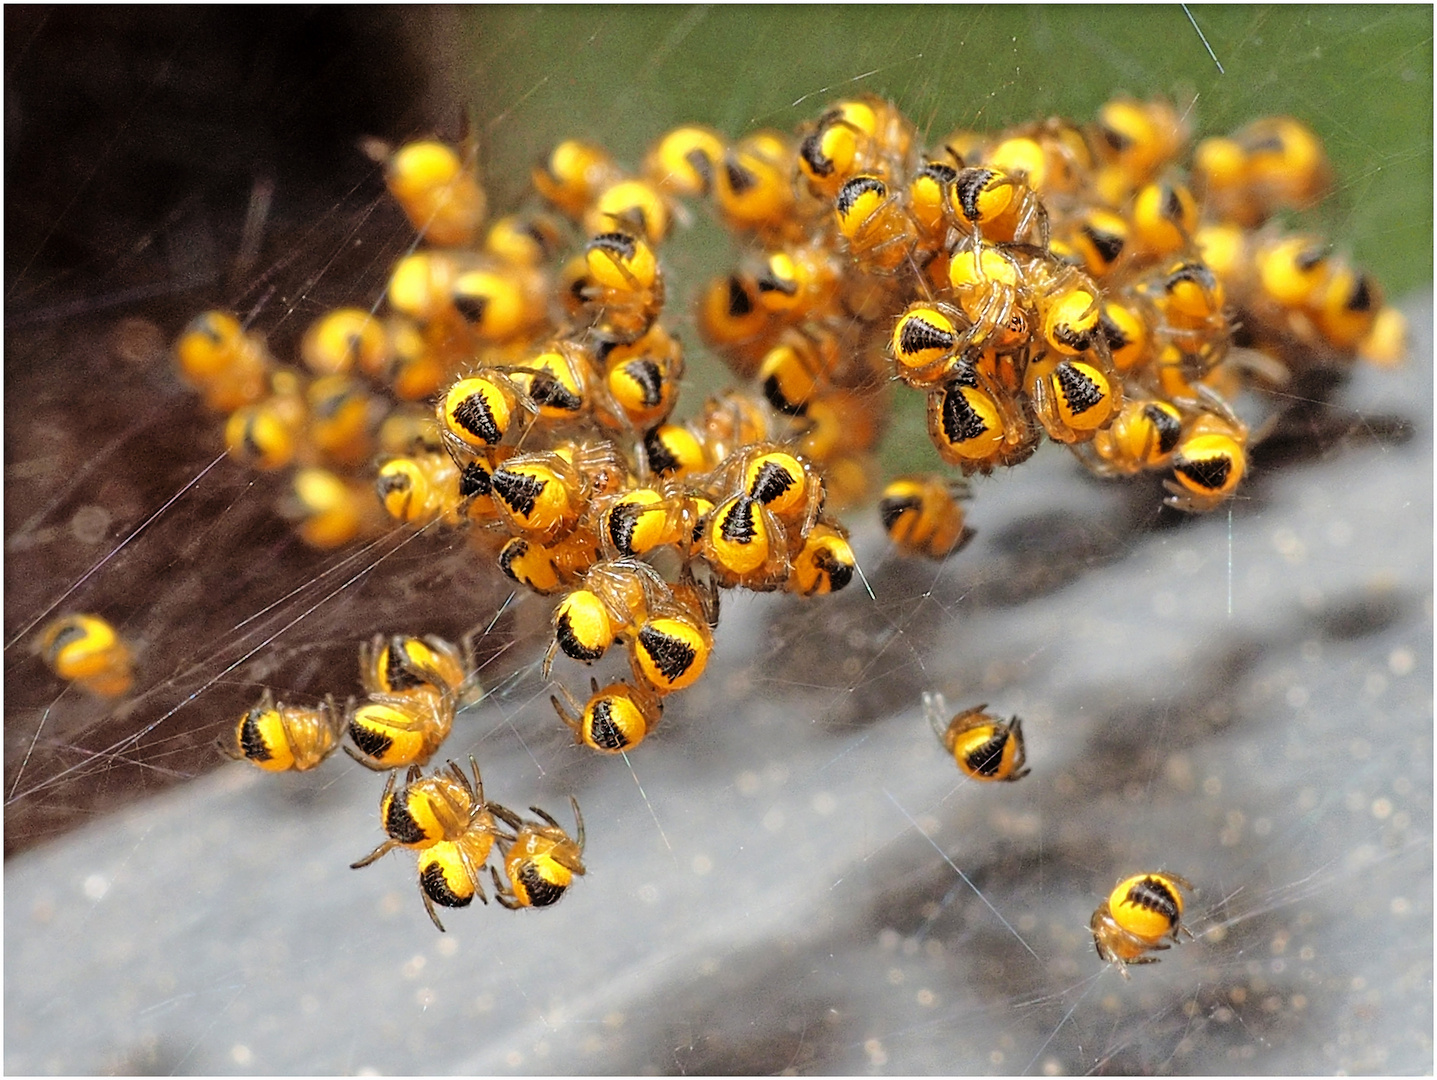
(414, 686)
(1058, 279)
(550, 437)
(358, 390)
(1073, 282)
(321, 425)
(554, 444)
(549, 442)
(1054, 279)
(446, 819)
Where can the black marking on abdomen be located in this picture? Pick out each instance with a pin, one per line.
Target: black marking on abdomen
(812, 153)
(738, 525)
(571, 645)
(650, 380)
(850, 192)
(436, 887)
(987, 758)
(519, 490)
(399, 822)
(1079, 392)
(969, 184)
(920, 335)
(961, 422)
(739, 303)
(1209, 472)
(603, 732)
(1152, 894)
(771, 482)
(542, 892)
(549, 391)
(1168, 427)
(740, 179)
(474, 416)
(895, 506)
(662, 460)
(672, 656)
(471, 307)
(251, 740)
(839, 573)
(374, 743)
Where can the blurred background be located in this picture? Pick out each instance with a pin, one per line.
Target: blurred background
(790, 876)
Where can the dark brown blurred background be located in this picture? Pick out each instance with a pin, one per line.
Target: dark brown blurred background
(158, 162)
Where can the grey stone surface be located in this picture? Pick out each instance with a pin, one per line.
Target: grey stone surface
(790, 875)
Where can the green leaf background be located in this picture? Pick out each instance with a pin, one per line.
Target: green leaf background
(1361, 76)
